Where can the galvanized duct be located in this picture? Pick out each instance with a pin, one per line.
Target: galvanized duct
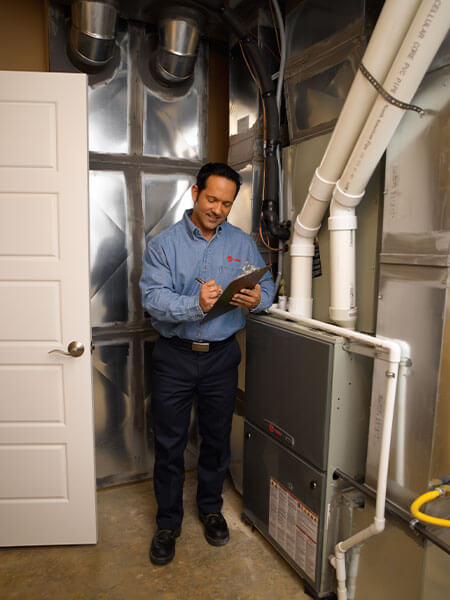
(179, 32)
(92, 35)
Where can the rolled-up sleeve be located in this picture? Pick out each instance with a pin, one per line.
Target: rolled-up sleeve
(159, 297)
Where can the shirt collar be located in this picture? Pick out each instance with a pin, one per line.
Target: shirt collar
(193, 230)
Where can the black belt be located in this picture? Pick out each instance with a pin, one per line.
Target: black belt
(197, 346)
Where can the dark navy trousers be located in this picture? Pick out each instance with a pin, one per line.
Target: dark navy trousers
(177, 374)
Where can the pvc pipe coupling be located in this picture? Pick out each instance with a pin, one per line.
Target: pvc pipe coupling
(301, 246)
(345, 198)
(320, 188)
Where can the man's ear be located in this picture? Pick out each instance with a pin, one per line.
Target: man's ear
(194, 192)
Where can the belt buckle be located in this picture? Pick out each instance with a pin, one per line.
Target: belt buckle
(200, 346)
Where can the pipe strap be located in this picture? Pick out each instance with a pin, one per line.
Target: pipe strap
(346, 199)
(387, 96)
(343, 223)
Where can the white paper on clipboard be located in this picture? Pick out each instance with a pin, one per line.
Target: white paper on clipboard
(247, 280)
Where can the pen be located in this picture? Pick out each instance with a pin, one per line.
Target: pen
(200, 280)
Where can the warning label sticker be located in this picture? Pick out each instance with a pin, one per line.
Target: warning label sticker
(294, 527)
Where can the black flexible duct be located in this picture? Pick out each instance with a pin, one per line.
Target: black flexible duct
(277, 230)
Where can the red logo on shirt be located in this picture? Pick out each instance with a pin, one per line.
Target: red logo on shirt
(230, 259)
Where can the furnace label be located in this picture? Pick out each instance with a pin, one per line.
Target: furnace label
(294, 527)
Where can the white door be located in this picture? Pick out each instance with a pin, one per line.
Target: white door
(47, 479)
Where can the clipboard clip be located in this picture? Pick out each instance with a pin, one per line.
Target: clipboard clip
(248, 268)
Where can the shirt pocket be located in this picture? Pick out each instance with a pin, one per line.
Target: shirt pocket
(229, 272)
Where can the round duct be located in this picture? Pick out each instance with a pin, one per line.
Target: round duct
(179, 34)
(92, 34)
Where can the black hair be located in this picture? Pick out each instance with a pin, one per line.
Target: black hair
(220, 169)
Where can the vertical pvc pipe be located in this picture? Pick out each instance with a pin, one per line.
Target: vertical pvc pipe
(383, 46)
(425, 35)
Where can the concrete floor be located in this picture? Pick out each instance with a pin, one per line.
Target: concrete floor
(118, 567)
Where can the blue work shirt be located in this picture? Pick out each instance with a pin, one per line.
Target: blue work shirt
(171, 262)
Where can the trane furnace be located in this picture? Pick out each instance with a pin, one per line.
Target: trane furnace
(306, 414)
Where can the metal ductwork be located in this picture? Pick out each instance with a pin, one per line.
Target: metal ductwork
(92, 34)
(179, 33)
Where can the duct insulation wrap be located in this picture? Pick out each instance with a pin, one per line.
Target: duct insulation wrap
(179, 34)
(92, 33)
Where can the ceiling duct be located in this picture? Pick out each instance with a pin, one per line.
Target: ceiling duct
(179, 33)
(92, 34)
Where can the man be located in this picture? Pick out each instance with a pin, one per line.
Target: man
(195, 357)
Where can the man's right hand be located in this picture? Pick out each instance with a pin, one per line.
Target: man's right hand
(209, 292)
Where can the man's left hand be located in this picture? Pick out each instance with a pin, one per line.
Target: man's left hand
(247, 298)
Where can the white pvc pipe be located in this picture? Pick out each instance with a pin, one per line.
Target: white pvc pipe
(426, 33)
(353, 572)
(395, 353)
(342, 224)
(384, 43)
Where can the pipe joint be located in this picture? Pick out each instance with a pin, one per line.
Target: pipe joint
(378, 525)
(343, 223)
(92, 34)
(303, 230)
(344, 317)
(300, 306)
(345, 198)
(280, 231)
(302, 247)
(320, 188)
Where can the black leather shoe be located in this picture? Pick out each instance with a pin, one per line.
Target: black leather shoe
(162, 549)
(216, 528)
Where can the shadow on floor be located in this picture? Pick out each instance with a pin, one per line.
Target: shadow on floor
(117, 568)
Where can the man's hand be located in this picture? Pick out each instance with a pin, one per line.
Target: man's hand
(209, 292)
(247, 298)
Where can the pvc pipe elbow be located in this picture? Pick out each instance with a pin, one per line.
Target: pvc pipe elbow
(301, 246)
(378, 525)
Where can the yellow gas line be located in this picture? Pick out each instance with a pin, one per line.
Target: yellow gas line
(443, 490)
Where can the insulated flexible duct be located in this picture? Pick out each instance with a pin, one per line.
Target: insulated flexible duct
(92, 33)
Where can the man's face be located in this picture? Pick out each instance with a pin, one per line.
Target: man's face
(212, 206)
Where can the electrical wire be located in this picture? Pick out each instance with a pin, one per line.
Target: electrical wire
(282, 48)
(275, 27)
(276, 56)
(265, 243)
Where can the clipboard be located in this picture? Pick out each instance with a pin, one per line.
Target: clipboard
(247, 280)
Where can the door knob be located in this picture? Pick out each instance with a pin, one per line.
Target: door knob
(74, 349)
